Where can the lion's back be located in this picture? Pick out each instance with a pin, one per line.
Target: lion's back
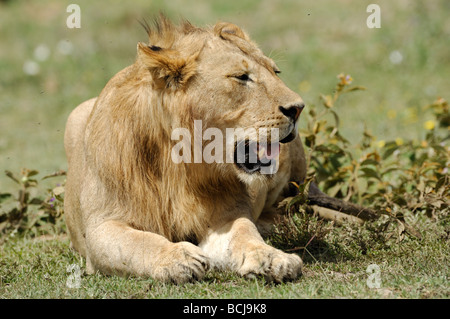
(73, 144)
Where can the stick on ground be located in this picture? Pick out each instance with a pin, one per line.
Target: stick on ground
(317, 197)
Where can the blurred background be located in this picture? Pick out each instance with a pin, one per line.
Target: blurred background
(47, 69)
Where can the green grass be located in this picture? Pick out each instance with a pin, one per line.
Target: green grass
(413, 268)
(311, 42)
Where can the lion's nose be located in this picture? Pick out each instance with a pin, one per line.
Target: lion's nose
(292, 111)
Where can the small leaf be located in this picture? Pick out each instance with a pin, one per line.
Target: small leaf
(35, 201)
(369, 172)
(369, 161)
(58, 190)
(310, 140)
(324, 149)
(11, 175)
(32, 173)
(4, 196)
(390, 148)
(390, 169)
(31, 183)
(355, 88)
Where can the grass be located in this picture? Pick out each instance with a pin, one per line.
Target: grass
(311, 42)
(414, 268)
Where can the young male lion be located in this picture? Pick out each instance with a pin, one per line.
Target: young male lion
(131, 210)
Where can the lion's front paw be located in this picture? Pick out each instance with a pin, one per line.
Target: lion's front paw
(179, 263)
(273, 264)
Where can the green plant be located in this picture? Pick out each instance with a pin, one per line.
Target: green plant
(398, 179)
(388, 176)
(28, 213)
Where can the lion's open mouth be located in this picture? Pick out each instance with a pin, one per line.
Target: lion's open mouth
(251, 156)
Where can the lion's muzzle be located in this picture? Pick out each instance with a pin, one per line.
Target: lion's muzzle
(252, 156)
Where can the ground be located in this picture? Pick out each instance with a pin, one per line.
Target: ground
(335, 267)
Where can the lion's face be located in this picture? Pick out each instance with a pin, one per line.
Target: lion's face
(245, 91)
(227, 82)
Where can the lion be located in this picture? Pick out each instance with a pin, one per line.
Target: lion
(132, 211)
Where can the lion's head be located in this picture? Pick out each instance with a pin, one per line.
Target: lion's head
(185, 73)
(223, 79)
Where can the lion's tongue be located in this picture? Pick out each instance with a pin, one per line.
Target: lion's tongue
(269, 152)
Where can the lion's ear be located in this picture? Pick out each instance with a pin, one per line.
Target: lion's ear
(167, 66)
(226, 29)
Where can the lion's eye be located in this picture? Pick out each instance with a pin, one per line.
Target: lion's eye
(243, 77)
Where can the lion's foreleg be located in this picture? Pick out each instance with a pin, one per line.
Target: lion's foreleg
(238, 246)
(116, 248)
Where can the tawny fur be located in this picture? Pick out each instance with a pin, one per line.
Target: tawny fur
(130, 209)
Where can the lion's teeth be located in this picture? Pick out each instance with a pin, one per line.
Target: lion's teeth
(269, 152)
(273, 150)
